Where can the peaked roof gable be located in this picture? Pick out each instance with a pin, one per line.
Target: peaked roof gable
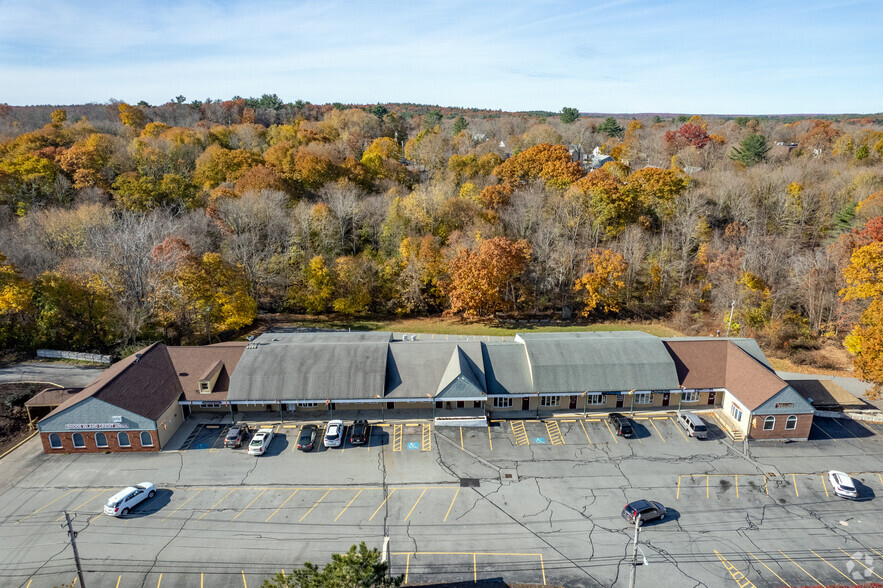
(786, 401)
(458, 379)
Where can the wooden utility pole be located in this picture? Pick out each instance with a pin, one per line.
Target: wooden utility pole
(635, 551)
(73, 535)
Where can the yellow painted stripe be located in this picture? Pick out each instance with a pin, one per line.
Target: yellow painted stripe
(158, 582)
(586, 432)
(816, 580)
(489, 440)
(315, 505)
(183, 503)
(249, 504)
(120, 579)
(407, 567)
(543, 568)
(678, 496)
(611, 432)
(48, 505)
(81, 505)
(452, 505)
(381, 505)
(283, 504)
(680, 430)
(217, 503)
(461, 438)
(658, 431)
(348, 504)
(474, 569)
(832, 566)
(859, 562)
(415, 504)
(244, 583)
(782, 580)
(824, 485)
(794, 481)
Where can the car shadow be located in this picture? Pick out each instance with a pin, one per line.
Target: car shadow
(639, 431)
(670, 515)
(279, 444)
(865, 492)
(378, 437)
(150, 506)
(831, 428)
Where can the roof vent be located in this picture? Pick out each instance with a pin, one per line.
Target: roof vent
(251, 346)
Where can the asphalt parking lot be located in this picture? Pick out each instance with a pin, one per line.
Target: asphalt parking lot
(532, 501)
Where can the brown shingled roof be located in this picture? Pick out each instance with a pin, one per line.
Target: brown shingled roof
(723, 364)
(52, 396)
(193, 363)
(144, 383)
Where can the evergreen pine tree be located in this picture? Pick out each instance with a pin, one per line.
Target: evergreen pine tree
(751, 150)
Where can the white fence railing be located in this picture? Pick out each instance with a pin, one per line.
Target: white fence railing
(56, 354)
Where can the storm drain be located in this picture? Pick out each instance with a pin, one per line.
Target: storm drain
(468, 482)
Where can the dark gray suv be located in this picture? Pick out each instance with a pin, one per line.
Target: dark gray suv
(644, 510)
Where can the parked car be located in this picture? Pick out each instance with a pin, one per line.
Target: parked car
(307, 438)
(236, 436)
(334, 433)
(359, 432)
(643, 510)
(842, 484)
(123, 501)
(621, 425)
(260, 442)
(692, 424)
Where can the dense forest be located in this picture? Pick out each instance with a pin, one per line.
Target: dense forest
(127, 223)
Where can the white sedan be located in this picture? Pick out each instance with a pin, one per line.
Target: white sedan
(260, 442)
(120, 503)
(842, 484)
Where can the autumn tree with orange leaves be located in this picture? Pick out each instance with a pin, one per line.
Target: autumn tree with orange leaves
(601, 287)
(483, 280)
(551, 163)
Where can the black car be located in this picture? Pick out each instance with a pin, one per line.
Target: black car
(621, 425)
(643, 510)
(359, 433)
(307, 438)
(236, 436)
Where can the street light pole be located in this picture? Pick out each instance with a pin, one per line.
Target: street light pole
(680, 399)
(632, 394)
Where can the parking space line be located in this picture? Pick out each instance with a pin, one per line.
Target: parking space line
(489, 440)
(737, 575)
(415, 504)
(396, 437)
(678, 495)
(349, 503)
(765, 487)
(519, 433)
(543, 568)
(158, 582)
(658, 431)
(586, 432)
(611, 432)
(859, 562)
(183, 503)
(283, 504)
(554, 433)
(461, 438)
(706, 485)
(84, 504)
(192, 437)
(737, 485)
(452, 505)
(407, 567)
(832, 566)
(427, 438)
(816, 580)
(249, 504)
(217, 503)
(824, 485)
(315, 505)
(771, 571)
(381, 504)
(296, 435)
(244, 584)
(680, 429)
(794, 481)
(851, 434)
(48, 505)
(474, 569)
(825, 433)
(875, 551)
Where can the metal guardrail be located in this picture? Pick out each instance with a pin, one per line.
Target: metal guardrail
(56, 354)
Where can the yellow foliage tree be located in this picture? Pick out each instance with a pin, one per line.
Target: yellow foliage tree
(601, 286)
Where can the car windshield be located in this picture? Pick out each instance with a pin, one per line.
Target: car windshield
(699, 427)
(305, 435)
(112, 503)
(233, 434)
(257, 440)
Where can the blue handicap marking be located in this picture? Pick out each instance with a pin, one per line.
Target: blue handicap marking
(539, 440)
(413, 445)
(201, 446)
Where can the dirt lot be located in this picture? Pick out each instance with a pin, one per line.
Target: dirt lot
(13, 416)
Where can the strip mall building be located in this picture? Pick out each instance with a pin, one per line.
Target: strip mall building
(139, 403)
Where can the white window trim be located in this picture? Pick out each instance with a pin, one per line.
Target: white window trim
(53, 436)
(550, 401)
(308, 404)
(502, 402)
(596, 399)
(788, 421)
(74, 443)
(141, 439)
(128, 439)
(734, 408)
(772, 424)
(105, 440)
(643, 397)
(690, 396)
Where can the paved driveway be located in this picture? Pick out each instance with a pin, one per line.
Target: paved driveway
(65, 375)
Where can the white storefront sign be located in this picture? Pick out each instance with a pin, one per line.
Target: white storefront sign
(98, 426)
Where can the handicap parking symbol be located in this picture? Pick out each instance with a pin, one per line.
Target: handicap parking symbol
(539, 440)
(413, 445)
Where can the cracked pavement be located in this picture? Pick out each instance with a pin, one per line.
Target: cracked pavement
(222, 517)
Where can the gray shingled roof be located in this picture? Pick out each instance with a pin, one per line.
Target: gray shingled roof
(598, 362)
(506, 367)
(418, 368)
(314, 370)
(785, 396)
(459, 379)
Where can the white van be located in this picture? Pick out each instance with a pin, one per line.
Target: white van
(692, 424)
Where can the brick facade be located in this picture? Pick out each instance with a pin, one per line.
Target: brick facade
(804, 423)
(67, 444)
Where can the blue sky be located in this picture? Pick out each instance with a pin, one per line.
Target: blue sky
(751, 57)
